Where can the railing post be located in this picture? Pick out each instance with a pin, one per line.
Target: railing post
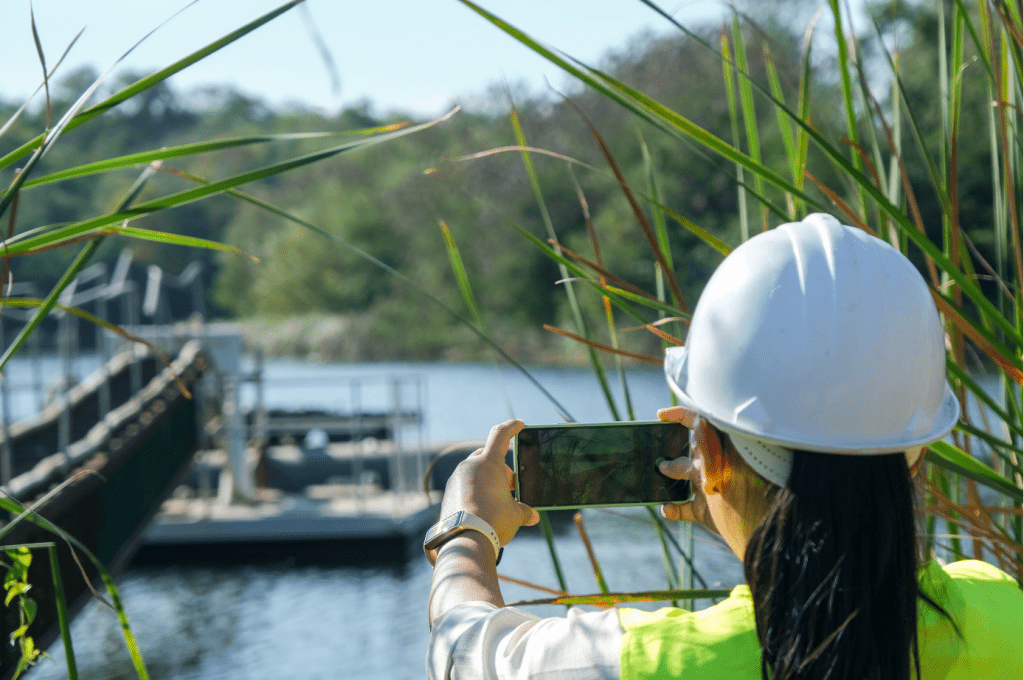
(421, 465)
(240, 473)
(357, 444)
(398, 454)
(64, 422)
(37, 370)
(260, 421)
(101, 348)
(132, 314)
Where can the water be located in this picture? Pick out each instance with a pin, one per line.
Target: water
(366, 623)
(460, 401)
(359, 622)
(346, 622)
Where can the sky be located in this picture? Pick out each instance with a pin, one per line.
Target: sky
(417, 57)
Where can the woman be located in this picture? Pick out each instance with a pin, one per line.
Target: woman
(812, 381)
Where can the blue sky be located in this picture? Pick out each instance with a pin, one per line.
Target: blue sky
(413, 56)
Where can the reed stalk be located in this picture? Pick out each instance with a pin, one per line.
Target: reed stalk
(860, 169)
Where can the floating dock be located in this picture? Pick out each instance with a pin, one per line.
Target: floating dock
(339, 504)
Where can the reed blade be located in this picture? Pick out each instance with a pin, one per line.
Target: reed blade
(949, 457)
(63, 620)
(622, 598)
(570, 292)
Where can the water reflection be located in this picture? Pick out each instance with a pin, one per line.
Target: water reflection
(273, 622)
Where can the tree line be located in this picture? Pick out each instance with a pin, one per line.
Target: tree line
(389, 200)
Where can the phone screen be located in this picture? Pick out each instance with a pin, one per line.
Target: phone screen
(572, 466)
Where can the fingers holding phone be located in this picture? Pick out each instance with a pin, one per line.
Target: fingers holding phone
(695, 510)
(480, 484)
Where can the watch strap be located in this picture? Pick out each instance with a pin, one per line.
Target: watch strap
(466, 522)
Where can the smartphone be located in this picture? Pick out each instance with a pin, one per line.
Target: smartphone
(598, 465)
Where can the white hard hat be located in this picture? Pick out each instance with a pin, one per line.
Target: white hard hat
(820, 337)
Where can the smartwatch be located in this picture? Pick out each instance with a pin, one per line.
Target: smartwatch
(453, 525)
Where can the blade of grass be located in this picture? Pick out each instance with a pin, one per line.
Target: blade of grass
(728, 67)
(651, 111)
(660, 227)
(178, 240)
(669, 340)
(949, 457)
(17, 508)
(528, 584)
(180, 198)
(785, 131)
(577, 315)
(1009, 452)
(959, 374)
(619, 598)
(849, 105)
(578, 521)
(875, 162)
(549, 537)
(984, 340)
(656, 204)
(603, 274)
(131, 160)
(946, 487)
(747, 105)
(70, 273)
(804, 110)
(671, 573)
(76, 118)
(605, 301)
(603, 347)
(268, 207)
(645, 301)
(460, 274)
(645, 225)
(17, 114)
(63, 620)
(455, 259)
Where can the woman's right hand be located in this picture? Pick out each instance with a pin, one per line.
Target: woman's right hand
(690, 468)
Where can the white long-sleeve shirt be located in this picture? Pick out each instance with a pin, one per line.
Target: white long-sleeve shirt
(478, 641)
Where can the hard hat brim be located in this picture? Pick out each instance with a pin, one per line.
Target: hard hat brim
(943, 422)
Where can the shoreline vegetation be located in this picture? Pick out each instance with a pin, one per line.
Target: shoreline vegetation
(327, 338)
(463, 182)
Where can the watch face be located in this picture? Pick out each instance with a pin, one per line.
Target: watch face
(449, 522)
(442, 529)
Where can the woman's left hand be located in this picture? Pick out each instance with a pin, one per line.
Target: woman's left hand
(690, 468)
(482, 485)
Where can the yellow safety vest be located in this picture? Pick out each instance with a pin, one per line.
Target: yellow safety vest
(721, 641)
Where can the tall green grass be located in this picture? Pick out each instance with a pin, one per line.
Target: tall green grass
(85, 235)
(868, 154)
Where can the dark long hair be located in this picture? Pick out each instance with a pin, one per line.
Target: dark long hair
(832, 568)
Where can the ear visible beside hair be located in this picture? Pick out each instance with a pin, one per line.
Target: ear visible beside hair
(717, 469)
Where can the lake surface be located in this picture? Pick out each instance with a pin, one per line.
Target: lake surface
(335, 622)
(273, 622)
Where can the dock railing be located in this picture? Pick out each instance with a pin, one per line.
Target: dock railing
(364, 411)
(376, 415)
